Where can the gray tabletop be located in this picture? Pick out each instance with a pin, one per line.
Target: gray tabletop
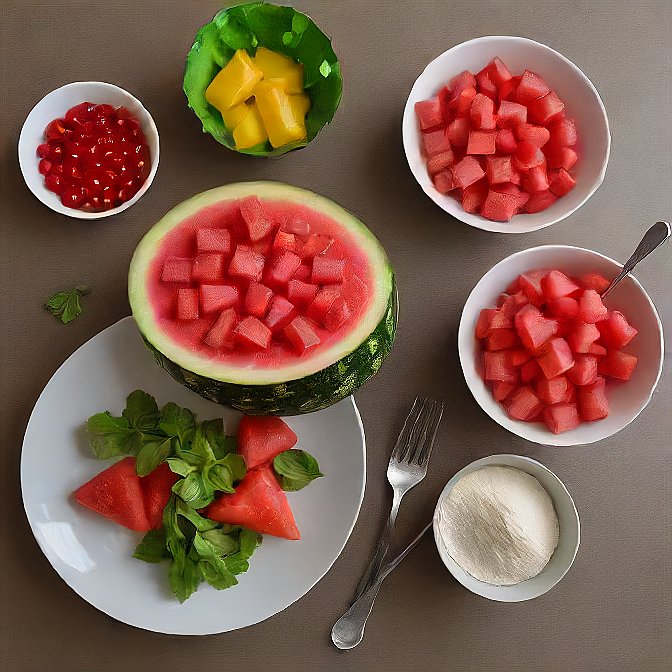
(612, 611)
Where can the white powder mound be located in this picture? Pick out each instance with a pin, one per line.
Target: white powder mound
(499, 525)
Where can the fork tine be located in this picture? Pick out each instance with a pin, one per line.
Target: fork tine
(426, 452)
(410, 438)
(420, 431)
(404, 435)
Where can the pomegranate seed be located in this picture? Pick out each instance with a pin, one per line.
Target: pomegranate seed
(43, 150)
(55, 130)
(54, 183)
(73, 197)
(45, 166)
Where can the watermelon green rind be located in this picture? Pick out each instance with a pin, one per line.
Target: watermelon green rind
(279, 28)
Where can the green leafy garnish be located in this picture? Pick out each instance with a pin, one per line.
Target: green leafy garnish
(296, 469)
(66, 306)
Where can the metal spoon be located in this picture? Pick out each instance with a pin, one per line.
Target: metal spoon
(654, 237)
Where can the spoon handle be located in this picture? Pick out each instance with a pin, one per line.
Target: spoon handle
(654, 237)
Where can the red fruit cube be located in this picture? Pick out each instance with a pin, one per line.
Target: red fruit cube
(553, 390)
(303, 272)
(301, 293)
(492, 318)
(563, 132)
(513, 286)
(215, 298)
(337, 315)
(499, 73)
(556, 359)
(507, 91)
(535, 180)
(533, 328)
(527, 155)
(592, 401)
(485, 85)
(569, 158)
(617, 364)
(537, 136)
(208, 267)
(497, 366)
(498, 169)
(591, 308)
(322, 302)
(511, 189)
(597, 350)
(439, 162)
(513, 303)
(473, 196)
(501, 339)
(561, 182)
(466, 172)
(462, 103)
(581, 336)
(499, 207)
(316, 244)
(436, 142)
(176, 270)
(429, 114)
(540, 201)
(301, 335)
(529, 370)
(523, 404)
(459, 83)
(481, 142)
(257, 221)
(213, 240)
(544, 109)
(556, 284)
(561, 417)
(482, 112)
(280, 314)
(505, 141)
(327, 270)
(519, 356)
(258, 299)
(221, 332)
(458, 132)
(247, 263)
(187, 304)
(443, 181)
(530, 285)
(584, 371)
(563, 308)
(530, 87)
(616, 332)
(594, 281)
(283, 267)
(253, 333)
(285, 242)
(502, 390)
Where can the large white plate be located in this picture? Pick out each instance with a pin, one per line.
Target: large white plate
(93, 556)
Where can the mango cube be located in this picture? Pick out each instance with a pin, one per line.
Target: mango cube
(281, 125)
(285, 71)
(300, 105)
(234, 115)
(250, 131)
(234, 83)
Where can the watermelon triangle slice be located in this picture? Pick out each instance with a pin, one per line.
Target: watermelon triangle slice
(116, 493)
(260, 439)
(156, 489)
(258, 504)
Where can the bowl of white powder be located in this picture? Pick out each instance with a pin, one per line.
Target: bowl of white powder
(506, 528)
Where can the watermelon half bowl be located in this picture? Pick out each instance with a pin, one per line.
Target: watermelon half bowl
(264, 297)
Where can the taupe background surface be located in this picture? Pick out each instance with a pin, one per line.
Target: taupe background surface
(612, 612)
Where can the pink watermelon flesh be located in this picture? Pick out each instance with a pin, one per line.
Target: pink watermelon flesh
(556, 359)
(582, 336)
(480, 142)
(258, 222)
(337, 315)
(221, 332)
(283, 267)
(215, 298)
(533, 328)
(301, 334)
(584, 371)
(429, 114)
(505, 142)
(260, 439)
(553, 390)
(563, 308)
(258, 299)
(316, 244)
(530, 87)
(253, 333)
(592, 401)
(208, 267)
(591, 308)
(213, 240)
(617, 364)
(280, 314)
(436, 142)
(322, 302)
(247, 264)
(502, 390)
(529, 371)
(497, 366)
(177, 270)
(530, 284)
(561, 417)
(616, 332)
(556, 284)
(156, 490)
(523, 404)
(327, 270)
(511, 114)
(466, 172)
(594, 281)
(187, 304)
(300, 293)
(285, 242)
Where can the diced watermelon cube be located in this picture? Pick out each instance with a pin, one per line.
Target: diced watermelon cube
(501, 339)
(485, 85)
(499, 207)
(303, 272)
(466, 172)
(458, 132)
(584, 371)
(533, 328)
(502, 390)
(569, 158)
(556, 358)
(439, 162)
(221, 332)
(581, 336)
(553, 390)
(530, 285)
(176, 269)
(511, 114)
(523, 404)
(560, 182)
(285, 242)
(296, 225)
(258, 299)
(464, 80)
(563, 308)
(529, 370)
(563, 132)
(498, 169)
(443, 181)
(560, 157)
(215, 298)
(474, 195)
(247, 263)
(592, 401)
(527, 155)
(187, 304)
(436, 142)
(282, 268)
(505, 142)
(540, 201)
(301, 293)
(316, 244)
(594, 281)
(499, 73)
(591, 308)
(497, 366)
(530, 87)
(556, 284)
(512, 303)
(482, 112)
(327, 270)
(323, 300)
(507, 91)
(481, 142)
(213, 240)
(337, 315)
(208, 267)
(513, 286)
(492, 318)
(535, 180)
(301, 335)
(545, 109)
(253, 333)
(429, 114)
(280, 314)
(519, 356)
(617, 364)
(257, 222)
(561, 417)
(597, 350)
(462, 103)
(616, 332)
(537, 136)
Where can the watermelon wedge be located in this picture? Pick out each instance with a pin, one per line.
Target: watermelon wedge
(156, 489)
(260, 439)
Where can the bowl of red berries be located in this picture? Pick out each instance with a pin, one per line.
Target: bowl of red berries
(548, 358)
(506, 134)
(89, 150)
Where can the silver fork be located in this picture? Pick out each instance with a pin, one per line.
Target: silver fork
(407, 467)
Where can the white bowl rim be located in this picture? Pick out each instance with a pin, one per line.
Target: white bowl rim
(557, 439)
(496, 460)
(82, 214)
(477, 221)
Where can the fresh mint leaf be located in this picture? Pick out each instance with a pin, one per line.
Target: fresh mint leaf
(220, 477)
(180, 467)
(184, 575)
(213, 569)
(295, 469)
(194, 490)
(111, 436)
(152, 548)
(141, 411)
(177, 422)
(199, 522)
(66, 306)
(215, 432)
(223, 543)
(151, 455)
(236, 563)
(237, 465)
(248, 541)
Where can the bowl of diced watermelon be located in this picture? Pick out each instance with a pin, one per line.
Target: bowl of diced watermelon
(547, 358)
(506, 134)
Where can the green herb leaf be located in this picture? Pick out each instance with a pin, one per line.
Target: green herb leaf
(224, 543)
(152, 548)
(65, 306)
(180, 467)
(184, 575)
(194, 490)
(248, 542)
(215, 432)
(199, 522)
(141, 411)
(151, 455)
(110, 436)
(213, 568)
(295, 469)
(224, 472)
(178, 422)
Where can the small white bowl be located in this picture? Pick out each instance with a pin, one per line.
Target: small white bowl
(566, 79)
(55, 105)
(627, 399)
(562, 558)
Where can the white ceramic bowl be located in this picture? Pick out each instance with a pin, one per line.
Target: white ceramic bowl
(562, 558)
(56, 104)
(626, 399)
(566, 79)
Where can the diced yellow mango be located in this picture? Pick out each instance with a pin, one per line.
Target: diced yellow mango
(300, 105)
(234, 83)
(234, 115)
(250, 131)
(275, 110)
(275, 66)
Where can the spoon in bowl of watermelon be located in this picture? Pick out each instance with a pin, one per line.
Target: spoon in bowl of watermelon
(652, 239)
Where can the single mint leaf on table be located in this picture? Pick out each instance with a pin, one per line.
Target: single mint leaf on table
(110, 436)
(295, 469)
(152, 548)
(178, 422)
(141, 411)
(151, 455)
(66, 306)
